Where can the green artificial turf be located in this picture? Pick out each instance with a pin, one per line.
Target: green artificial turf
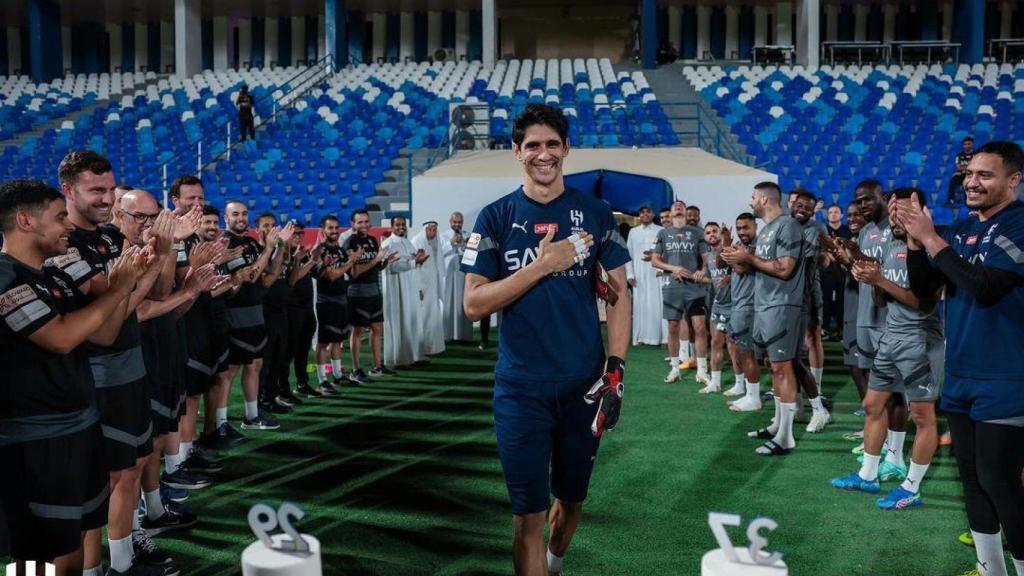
(401, 477)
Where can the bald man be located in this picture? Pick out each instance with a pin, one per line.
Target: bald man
(457, 326)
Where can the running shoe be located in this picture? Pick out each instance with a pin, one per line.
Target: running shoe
(673, 375)
(857, 436)
(888, 472)
(262, 421)
(308, 391)
(233, 435)
(197, 463)
(856, 483)
(185, 479)
(819, 420)
(327, 389)
(146, 551)
(898, 499)
(170, 520)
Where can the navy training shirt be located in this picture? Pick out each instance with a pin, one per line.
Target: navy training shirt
(983, 343)
(552, 332)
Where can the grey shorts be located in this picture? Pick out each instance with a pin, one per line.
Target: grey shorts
(868, 338)
(741, 324)
(851, 353)
(909, 367)
(720, 317)
(678, 302)
(779, 331)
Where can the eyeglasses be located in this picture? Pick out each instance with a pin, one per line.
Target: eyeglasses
(142, 218)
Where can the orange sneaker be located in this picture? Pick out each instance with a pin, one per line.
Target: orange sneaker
(690, 364)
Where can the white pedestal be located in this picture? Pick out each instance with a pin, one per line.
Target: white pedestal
(715, 563)
(258, 560)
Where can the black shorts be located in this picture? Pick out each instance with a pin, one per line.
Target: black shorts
(366, 310)
(125, 409)
(162, 351)
(51, 491)
(246, 344)
(207, 355)
(696, 307)
(332, 322)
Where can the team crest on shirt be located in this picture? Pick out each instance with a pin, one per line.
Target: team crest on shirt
(577, 217)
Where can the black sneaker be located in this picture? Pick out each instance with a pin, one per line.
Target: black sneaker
(262, 421)
(327, 389)
(185, 479)
(208, 454)
(308, 390)
(234, 436)
(214, 442)
(289, 398)
(273, 408)
(140, 569)
(168, 494)
(196, 463)
(383, 370)
(359, 376)
(171, 520)
(146, 551)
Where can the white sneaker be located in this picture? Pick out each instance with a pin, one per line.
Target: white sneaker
(819, 420)
(709, 389)
(673, 375)
(736, 390)
(745, 404)
(703, 378)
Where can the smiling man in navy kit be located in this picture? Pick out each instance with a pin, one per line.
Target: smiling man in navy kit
(534, 255)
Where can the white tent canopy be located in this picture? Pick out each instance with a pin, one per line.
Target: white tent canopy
(470, 180)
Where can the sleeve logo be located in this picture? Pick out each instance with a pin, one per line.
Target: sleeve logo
(15, 297)
(474, 241)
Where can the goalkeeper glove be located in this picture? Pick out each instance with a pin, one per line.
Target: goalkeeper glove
(608, 392)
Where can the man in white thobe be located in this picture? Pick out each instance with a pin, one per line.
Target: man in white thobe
(401, 299)
(457, 326)
(431, 282)
(643, 277)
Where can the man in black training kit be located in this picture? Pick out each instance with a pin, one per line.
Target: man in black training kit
(982, 263)
(246, 121)
(301, 317)
(537, 255)
(332, 310)
(366, 302)
(54, 486)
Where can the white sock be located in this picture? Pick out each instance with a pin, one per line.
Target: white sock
(816, 372)
(773, 428)
(894, 455)
(690, 350)
(716, 379)
(754, 390)
(684, 352)
(869, 468)
(172, 462)
(740, 382)
(914, 476)
(252, 410)
(336, 369)
(321, 372)
(135, 521)
(185, 449)
(554, 562)
(675, 363)
(989, 548)
(154, 506)
(1019, 565)
(784, 437)
(121, 553)
(222, 416)
(702, 365)
(94, 571)
(816, 404)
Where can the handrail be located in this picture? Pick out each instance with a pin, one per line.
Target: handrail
(223, 129)
(709, 138)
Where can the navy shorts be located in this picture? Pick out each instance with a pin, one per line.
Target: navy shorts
(544, 441)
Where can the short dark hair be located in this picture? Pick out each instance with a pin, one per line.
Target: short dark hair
(266, 215)
(967, 139)
(746, 216)
(715, 224)
(210, 210)
(833, 205)
(124, 186)
(24, 195)
(328, 218)
(297, 226)
(357, 213)
(535, 114)
(185, 180)
(693, 207)
(869, 184)
(770, 188)
(908, 191)
(403, 218)
(79, 161)
(1010, 152)
(233, 201)
(804, 193)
